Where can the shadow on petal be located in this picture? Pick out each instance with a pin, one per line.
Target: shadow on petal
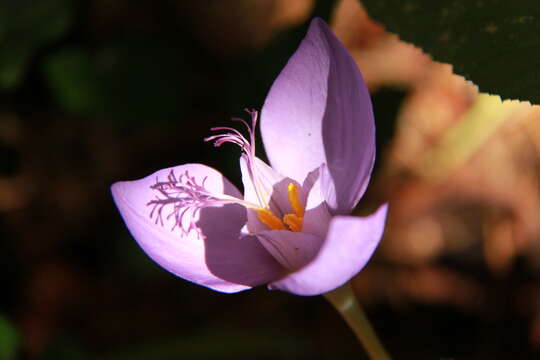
(348, 129)
(231, 256)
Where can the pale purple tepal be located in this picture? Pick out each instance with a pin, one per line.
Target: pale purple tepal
(291, 229)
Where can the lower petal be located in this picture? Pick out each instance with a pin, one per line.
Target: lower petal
(216, 257)
(291, 249)
(348, 246)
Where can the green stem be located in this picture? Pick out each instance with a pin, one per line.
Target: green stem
(345, 302)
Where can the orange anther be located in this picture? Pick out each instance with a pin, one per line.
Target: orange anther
(294, 199)
(294, 222)
(269, 219)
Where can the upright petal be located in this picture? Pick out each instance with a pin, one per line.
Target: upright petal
(317, 217)
(319, 111)
(348, 246)
(291, 117)
(217, 257)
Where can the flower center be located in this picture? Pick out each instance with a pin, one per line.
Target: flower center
(184, 196)
(292, 222)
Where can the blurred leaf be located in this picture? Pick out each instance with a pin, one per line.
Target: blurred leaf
(494, 43)
(9, 340)
(72, 80)
(26, 26)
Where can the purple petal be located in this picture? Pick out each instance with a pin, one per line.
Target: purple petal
(291, 249)
(291, 118)
(319, 111)
(220, 259)
(316, 220)
(311, 189)
(348, 246)
(317, 217)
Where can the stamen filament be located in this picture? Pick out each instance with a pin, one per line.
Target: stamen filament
(227, 199)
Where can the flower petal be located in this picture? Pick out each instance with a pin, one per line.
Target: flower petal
(220, 259)
(319, 111)
(348, 246)
(291, 249)
(291, 117)
(317, 217)
(316, 220)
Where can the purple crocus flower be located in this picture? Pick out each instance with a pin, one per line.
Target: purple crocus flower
(291, 228)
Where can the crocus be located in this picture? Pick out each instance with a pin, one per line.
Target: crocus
(291, 229)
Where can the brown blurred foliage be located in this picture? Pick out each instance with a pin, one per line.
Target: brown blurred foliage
(481, 210)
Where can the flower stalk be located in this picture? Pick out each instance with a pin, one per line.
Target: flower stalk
(344, 300)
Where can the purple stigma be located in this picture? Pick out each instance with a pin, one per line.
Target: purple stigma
(184, 196)
(234, 136)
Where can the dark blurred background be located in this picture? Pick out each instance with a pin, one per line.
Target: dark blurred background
(97, 91)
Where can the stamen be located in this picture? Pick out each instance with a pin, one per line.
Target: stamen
(294, 199)
(294, 222)
(291, 222)
(269, 219)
